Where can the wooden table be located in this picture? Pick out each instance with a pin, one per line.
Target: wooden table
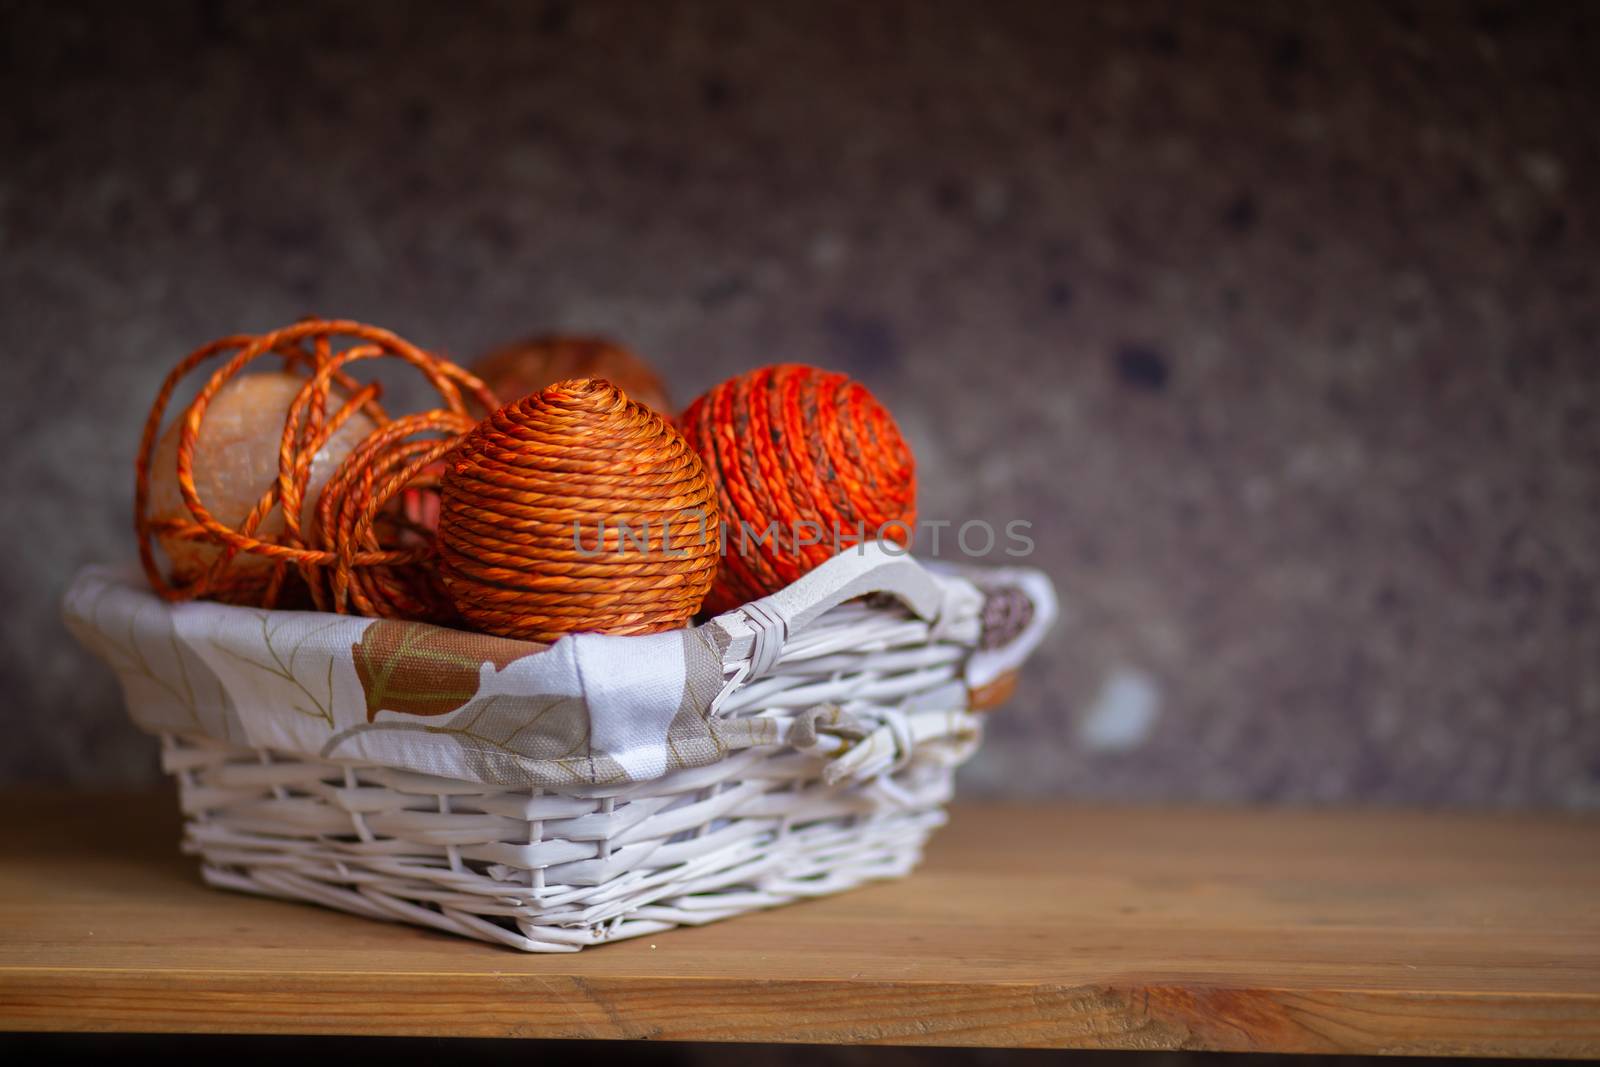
(1284, 932)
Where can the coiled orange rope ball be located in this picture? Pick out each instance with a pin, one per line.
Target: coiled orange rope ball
(323, 529)
(527, 366)
(530, 544)
(809, 454)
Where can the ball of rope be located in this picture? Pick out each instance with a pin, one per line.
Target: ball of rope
(532, 541)
(515, 370)
(807, 455)
(359, 554)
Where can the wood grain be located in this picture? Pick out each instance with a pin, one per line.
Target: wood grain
(1243, 931)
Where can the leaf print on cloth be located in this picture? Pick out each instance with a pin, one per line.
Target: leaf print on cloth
(166, 685)
(536, 727)
(523, 740)
(691, 738)
(417, 669)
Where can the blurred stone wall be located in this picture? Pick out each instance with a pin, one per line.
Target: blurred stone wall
(1279, 322)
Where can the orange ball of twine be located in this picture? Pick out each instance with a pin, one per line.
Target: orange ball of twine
(527, 366)
(357, 557)
(531, 537)
(807, 453)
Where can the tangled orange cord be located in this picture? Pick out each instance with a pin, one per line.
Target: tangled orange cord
(576, 509)
(807, 453)
(358, 556)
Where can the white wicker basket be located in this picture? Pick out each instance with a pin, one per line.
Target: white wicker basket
(842, 706)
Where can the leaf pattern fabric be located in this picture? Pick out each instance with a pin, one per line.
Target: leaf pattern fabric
(404, 694)
(417, 669)
(166, 686)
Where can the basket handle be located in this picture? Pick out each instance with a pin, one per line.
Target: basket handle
(757, 631)
(865, 742)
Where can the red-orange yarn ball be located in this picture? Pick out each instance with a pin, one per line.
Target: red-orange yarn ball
(809, 455)
(573, 510)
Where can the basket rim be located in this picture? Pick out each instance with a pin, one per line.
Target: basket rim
(589, 708)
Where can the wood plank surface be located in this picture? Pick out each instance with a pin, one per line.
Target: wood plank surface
(1066, 927)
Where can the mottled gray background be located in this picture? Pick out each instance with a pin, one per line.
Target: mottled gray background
(1279, 322)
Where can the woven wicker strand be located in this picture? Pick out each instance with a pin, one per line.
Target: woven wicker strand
(355, 560)
(532, 508)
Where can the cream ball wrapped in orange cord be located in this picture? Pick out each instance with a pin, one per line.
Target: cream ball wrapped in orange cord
(278, 488)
